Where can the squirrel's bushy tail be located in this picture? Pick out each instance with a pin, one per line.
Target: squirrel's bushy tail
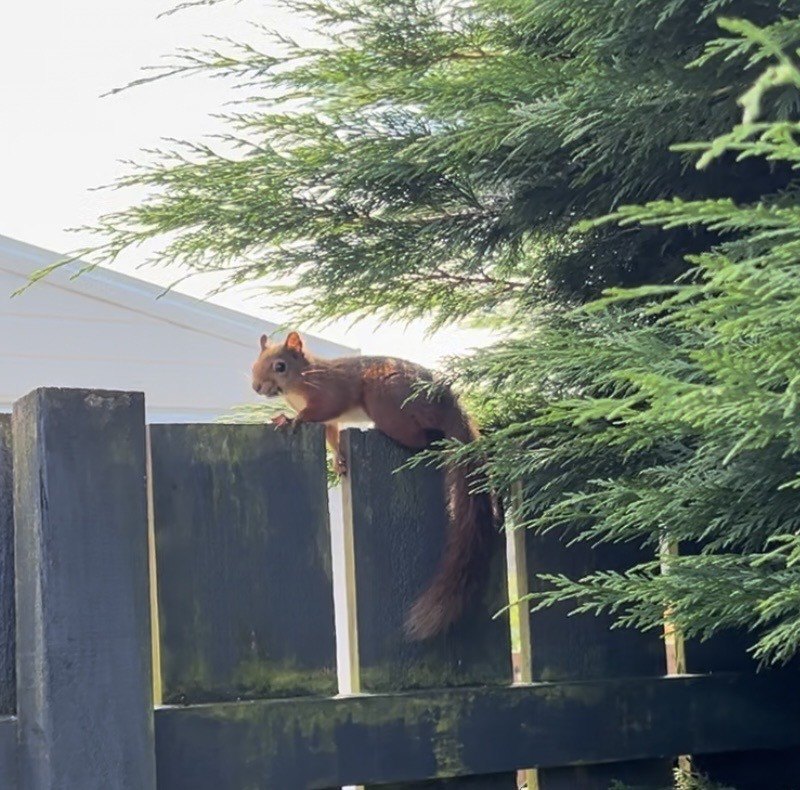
(471, 536)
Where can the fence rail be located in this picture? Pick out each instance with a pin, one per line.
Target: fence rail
(321, 743)
(215, 540)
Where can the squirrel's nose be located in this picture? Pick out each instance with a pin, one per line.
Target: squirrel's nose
(257, 386)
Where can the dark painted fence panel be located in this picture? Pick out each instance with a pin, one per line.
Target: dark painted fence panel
(319, 743)
(8, 685)
(744, 770)
(8, 753)
(242, 546)
(727, 651)
(244, 564)
(399, 522)
(8, 688)
(83, 616)
(583, 647)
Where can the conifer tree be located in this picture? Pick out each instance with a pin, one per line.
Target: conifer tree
(701, 396)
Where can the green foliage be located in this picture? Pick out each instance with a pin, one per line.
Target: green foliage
(700, 410)
(431, 158)
(693, 781)
(428, 158)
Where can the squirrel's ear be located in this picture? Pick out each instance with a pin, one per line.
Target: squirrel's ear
(294, 343)
(263, 342)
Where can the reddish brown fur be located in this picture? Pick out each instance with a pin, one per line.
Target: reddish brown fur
(382, 387)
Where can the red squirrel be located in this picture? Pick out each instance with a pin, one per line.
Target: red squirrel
(385, 391)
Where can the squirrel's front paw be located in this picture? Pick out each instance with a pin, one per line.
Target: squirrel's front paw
(281, 421)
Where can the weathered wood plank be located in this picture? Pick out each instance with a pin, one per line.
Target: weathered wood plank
(8, 753)
(727, 651)
(583, 647)
(244, 562)
(382, 738)
(398, 522)
(83, 618)
(749, 769)
(570, 647)
(746, 770)
(8, 683)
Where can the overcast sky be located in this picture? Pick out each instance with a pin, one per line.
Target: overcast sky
(59, 139)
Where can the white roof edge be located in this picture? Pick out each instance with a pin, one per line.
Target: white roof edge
(140, 296)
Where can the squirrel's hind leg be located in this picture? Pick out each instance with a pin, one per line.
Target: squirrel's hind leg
(332, 436)
(399, 424)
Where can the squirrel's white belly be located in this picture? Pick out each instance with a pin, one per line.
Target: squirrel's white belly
(295, 400)
(354, 418)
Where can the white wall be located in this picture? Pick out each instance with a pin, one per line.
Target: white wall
(105, 330)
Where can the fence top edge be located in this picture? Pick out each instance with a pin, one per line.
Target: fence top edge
(134, 397)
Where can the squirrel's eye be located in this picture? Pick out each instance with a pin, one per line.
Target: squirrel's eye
(279, 366)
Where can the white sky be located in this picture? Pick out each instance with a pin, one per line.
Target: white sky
(59, 138)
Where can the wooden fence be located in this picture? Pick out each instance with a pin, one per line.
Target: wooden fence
(216, 538)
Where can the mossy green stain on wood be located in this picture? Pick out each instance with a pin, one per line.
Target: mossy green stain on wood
(584, 646)
(399, 522)
(399, 526)
(440, 734)
(83, 627)
(243, 562)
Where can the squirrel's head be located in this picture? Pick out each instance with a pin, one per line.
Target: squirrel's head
(279, 367)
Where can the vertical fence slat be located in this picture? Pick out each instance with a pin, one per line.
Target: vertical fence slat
(83, 650)
(8, 683)
(752, 770)
(244, 565)
(744, 770)
(583, 647)
(398, 522)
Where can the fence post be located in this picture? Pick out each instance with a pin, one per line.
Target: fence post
(83, 623)
(8, 686)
